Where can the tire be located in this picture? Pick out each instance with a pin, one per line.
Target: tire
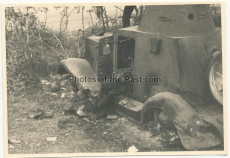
(215, 78)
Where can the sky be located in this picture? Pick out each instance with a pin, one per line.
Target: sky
(75, 20)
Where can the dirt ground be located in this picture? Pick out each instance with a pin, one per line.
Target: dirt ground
(73, 134)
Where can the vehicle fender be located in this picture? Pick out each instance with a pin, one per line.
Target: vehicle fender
(81, 69)
(194, 132)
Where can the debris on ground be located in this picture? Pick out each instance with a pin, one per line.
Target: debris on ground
(14, 141)
(169, 136)
(35, 113)
(83, 120)
(63, 83)
(65, 77)
(71, 94)
(62, 95)
(81, 95)
(11, 146)
(124, 102)
(45, 83)
(81, 114)
(54, 95)
(112, 117)
(48, 113)
(51, 139)
(68, 107)
(55, 86)
(86, 120)
(66, 123)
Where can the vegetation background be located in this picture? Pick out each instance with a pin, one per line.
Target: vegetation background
(33, 49)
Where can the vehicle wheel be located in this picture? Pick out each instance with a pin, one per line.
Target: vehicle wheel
(215, 79)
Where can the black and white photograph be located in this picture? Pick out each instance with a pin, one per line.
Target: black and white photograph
(114, 79)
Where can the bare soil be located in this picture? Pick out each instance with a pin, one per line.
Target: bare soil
(74, 134)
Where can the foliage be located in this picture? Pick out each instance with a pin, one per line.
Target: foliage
(32, 50)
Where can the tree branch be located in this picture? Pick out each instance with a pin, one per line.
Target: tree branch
(60, 44)
(71, 11)
(51, 48)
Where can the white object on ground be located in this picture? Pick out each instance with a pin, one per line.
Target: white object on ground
(132, 149)
(63, 95)
(51, 139)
